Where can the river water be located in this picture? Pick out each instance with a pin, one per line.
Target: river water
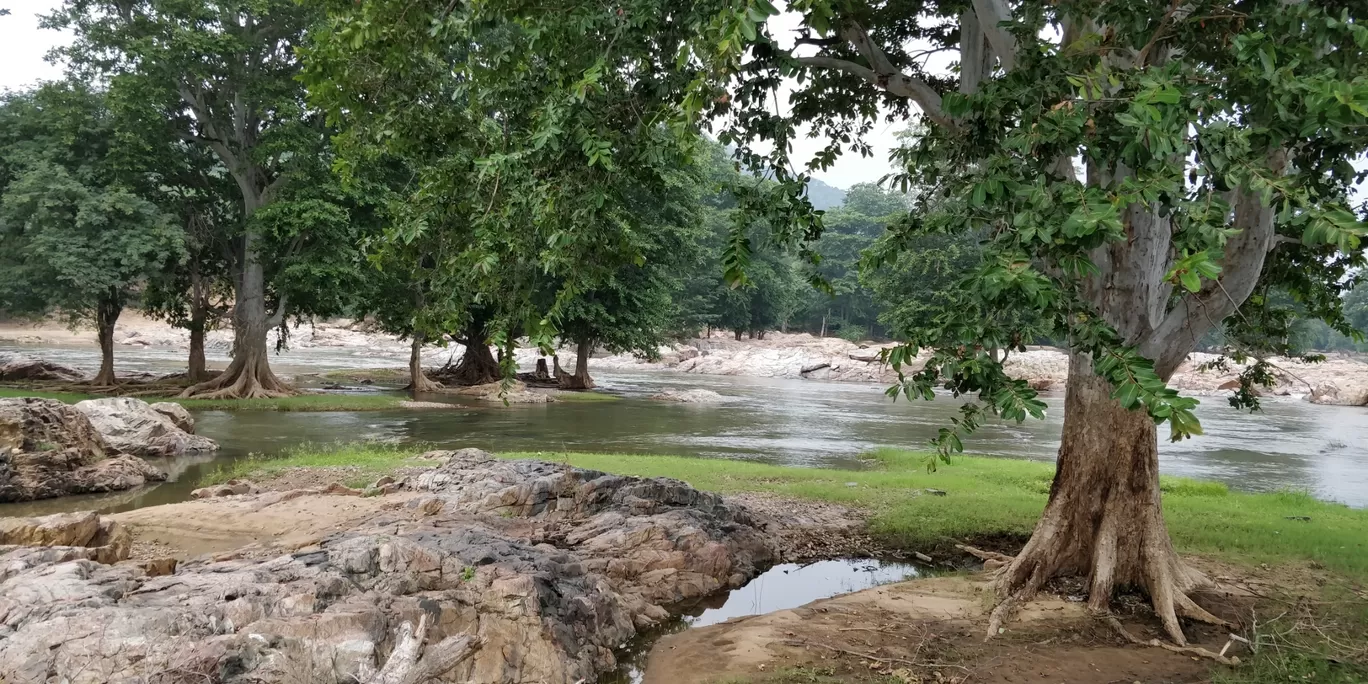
(1290, 444)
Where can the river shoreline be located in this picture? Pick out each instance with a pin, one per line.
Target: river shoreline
(1342, 379)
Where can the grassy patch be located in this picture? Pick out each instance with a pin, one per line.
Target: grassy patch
(984, 497)
(364, 461)
(586, 397)
(381, 375)
(66, 397)
(303, 402)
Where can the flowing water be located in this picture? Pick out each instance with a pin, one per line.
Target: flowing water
(1291, 444)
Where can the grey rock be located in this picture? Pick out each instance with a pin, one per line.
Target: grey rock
(132, 426)
(690, 396)
(552, 567)
(178, 414)
(15, 368)
(49, 449)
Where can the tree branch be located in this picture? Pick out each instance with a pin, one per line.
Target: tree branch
(882, 73)
(991, 13)
(1198, 312)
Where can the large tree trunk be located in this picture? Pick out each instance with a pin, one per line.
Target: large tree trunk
(199, 321)
(1103, 519)
(738, 335)
(580, 379)
(249, 376)
(106, 315)
(419, 382)
(477, 365)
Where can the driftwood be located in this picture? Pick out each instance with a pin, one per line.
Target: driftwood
(410, 663)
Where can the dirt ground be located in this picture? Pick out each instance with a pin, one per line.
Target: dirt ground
(925, 630)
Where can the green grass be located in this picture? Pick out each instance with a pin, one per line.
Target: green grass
(586, 397)
(303, 402)
(67, 397)
(985, 498)
(369, 459)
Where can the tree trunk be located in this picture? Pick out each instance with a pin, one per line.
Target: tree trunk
(418, 381)
(580, 380)
(1103, 519)
(477, 365)
(196, 372)
(106, 315)
(556, 371)
(738, 334)
(249, 376)
(542, 372)
(750, 334)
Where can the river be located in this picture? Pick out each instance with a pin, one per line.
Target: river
(1290, 444)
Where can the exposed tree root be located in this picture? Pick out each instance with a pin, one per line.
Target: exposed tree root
(247, 377)
(1185, 650)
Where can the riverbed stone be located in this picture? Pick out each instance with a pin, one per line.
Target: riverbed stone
(22, 368)
(132, 426)
(690, 396)
(50, 449)
(552, 567)
(179, 415)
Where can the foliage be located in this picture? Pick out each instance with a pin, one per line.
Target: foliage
(74, 235)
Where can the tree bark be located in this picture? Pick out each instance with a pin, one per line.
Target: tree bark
(106, 315)
(542, 372)
(249, 375)
(196, 371)
(738, 335)
(1103, 518)
(580, 380)
(477, 365)
(556, 371)
(418, 381)
(199, 321)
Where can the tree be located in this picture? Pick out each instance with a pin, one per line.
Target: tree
(1215, 145)
(536, 181)
(226, 72)
(75, 237)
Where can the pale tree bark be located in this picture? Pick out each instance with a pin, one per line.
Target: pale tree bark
(1104, 517)
(418, 381)
(107, 312)
(413, 663)
(580, 380)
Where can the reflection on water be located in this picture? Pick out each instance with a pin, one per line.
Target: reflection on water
(780, 588)
(1290, 444)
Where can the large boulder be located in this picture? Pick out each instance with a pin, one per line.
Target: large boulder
(63, 537)
(50, 449)
(553, 568)
(132, 426)
(178, 414)
(20, 368)
(1346, 392)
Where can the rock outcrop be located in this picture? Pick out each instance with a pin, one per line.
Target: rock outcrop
(60, 538)
(179, 415)
(19, 368)
(551, 568)
(49, 449)
(1346, 392)
(516, 393)
(132, 426)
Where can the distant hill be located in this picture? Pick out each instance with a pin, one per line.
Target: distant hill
(824, 196)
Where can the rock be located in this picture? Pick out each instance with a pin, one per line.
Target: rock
(22, 368)
(179, 415)
(1041, 384)
(60, 538)
(814, 367)
(865, 354)
(49, 449)
(158, 567)
(132, 426)
(1353, 393)
(229, 488)
(690, 396)
(553, 568)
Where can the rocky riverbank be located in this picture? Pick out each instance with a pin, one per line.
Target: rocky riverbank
(1341, 380)
(550, 568)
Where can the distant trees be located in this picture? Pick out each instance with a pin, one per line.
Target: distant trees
(75, 237)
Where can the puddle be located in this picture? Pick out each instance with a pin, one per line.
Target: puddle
(781, 587)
